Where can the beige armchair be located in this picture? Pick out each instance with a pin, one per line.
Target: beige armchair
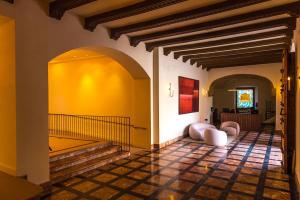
(231, 128)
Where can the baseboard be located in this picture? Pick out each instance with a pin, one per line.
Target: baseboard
(166, 143)
(7, 169)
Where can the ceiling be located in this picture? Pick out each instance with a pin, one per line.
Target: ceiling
(186, 27)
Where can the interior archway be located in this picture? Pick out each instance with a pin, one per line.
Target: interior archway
(99, 81)
(223, 91)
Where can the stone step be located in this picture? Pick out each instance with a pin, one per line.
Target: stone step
(84, 157)
(69, 172)
(79, 150)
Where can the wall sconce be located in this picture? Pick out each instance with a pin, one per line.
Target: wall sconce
(204, 92)
(289, 83)
(171, 91)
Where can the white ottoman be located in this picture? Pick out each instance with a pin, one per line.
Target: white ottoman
(215, 137)
(196, 130)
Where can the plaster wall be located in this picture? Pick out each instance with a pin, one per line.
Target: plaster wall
(39, 39)
(171, 124)
(269, 71)
(8, 138)
(100, 86)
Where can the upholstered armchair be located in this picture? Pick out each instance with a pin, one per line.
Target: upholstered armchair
(231, 128)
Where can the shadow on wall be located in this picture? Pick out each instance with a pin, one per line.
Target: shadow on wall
(222, 91)
(103, 82)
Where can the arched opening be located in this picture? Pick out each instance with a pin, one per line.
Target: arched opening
(97, 94)
(8, 143)
(225, 93)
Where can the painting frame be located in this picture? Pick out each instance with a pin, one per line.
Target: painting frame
(188, 95)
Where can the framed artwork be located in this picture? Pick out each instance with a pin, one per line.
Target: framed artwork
(245, 98)
(188, 95)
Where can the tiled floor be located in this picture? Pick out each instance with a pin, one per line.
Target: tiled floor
(248, 168)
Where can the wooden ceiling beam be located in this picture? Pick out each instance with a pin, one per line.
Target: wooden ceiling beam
(221, 59)
(288, 23)
(248, 38)
(135, 9)
(292, 9)
(249, 44)
(236, 52)
(183, 16)
(58, 8)
(258, 60)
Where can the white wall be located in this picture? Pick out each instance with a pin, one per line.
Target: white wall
(171, 124)
(269, 71)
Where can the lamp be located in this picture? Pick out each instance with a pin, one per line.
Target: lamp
(171, 91)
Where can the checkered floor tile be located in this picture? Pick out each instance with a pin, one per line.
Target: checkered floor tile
(248, 168)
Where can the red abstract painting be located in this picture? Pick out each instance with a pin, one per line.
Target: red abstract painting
(188, 95)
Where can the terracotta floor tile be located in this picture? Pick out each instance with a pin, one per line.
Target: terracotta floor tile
(105, 177)
(200, 170)
(276, 194)
(169, 172)
(123, 183)
(85, 186)
(208, 192)
(161, 162)
(216, 182)
(104, 193)
(222, 174)
(277, 184)
(235, 196)
(275, 175)
(244, 188)
(66, 195)
(134, 164)
(231, 162)
(121, 170)
(159, 179)
(71, 181)
(248, 179)
(191, 177)
(151, 168)
(145, 189)
(129, 197)
(181, 185)
(169, 195)
(138, 175)
(225, 167)
(170, 157)
(180, 166)
(205, 163)
(187, 160)
(247, 170)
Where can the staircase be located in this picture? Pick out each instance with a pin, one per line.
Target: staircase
(77, 161)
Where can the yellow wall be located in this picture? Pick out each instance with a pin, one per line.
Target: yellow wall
(99, 86)
(7, 97)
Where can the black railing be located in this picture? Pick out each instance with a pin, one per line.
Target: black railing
(110, 128)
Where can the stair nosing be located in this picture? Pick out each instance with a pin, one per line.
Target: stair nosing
(106, 151)
(85, 168)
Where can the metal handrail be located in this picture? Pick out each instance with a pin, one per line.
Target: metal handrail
(111, 128)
